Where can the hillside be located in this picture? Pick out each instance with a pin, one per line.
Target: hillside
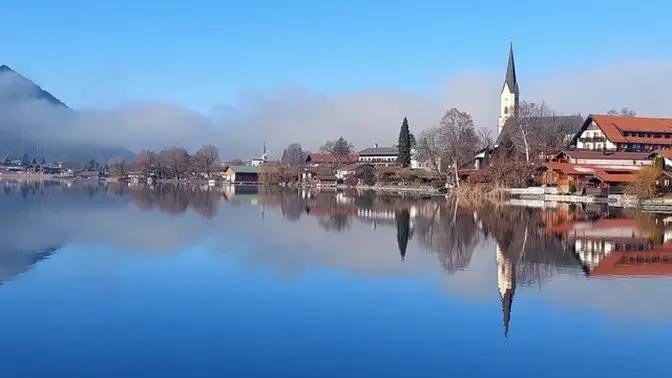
(26, 125)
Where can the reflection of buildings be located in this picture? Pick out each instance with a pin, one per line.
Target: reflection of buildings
(506, 282)
(620, 246)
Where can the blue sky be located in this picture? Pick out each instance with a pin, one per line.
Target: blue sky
(205, 53)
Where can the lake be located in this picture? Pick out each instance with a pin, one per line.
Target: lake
(177, 281)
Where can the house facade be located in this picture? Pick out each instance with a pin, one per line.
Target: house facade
(379, 155)
(624, 133)
(242, 174)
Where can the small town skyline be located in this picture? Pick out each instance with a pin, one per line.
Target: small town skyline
(181, 75)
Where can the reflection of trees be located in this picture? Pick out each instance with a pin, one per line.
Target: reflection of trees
(403, 231)
(173, 199)
(522, 238)
(448, 230)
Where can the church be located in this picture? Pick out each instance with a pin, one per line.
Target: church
(509, 108)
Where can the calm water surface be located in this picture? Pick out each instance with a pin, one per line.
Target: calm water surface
(112, 281)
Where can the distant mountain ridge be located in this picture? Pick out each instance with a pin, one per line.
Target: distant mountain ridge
(29, 88)
(16, 89)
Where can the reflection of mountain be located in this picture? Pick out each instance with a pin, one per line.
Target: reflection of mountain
(14, 262)
(521, 246)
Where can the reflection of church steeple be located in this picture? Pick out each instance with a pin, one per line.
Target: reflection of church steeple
(506, 282)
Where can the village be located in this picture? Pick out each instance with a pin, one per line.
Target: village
(535, 154)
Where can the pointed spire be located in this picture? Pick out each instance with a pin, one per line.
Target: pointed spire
(507, 301)
(511, 72)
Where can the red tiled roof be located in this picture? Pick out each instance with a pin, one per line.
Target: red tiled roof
(614, 127)
(657, 262)
(607, 155)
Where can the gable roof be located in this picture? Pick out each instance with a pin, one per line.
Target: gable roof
(568, 123)
(606, 155)
(244, 169)
(614, 128)
(611, 175)
(319, 158)
(379, 151)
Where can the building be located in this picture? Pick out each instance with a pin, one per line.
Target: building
(606, 159)
(510, 95)
(242, 174)
(509, 108)
(624, 133)
(318, 159)
(379, 155)
(257, 162)
(586, 179)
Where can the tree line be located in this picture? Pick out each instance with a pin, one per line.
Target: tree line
(170, 163)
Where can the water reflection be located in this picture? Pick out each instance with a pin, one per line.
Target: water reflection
(528, 246)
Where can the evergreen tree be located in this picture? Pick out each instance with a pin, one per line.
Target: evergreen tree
(25, 160)
(342, 147)
(404, 158)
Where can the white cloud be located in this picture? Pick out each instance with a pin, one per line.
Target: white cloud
(283, 115)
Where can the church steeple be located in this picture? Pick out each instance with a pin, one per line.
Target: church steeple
(511, 72)
(510, 94)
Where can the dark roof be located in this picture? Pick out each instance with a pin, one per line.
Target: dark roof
(378, 151)
(607, 155)
(571, 124)
(511, 73)
(319, 158)
(244, 169)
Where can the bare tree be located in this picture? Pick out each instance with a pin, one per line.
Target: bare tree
(485, 137)
(294, 155)
(205, 159)
(145, 162)
(339, 146)
(625, 112)
(531, 129)
(459, 140)
(428, 148)
(118, 169)
(176, 160)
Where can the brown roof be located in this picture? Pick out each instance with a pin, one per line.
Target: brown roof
(331, 159)
(614, 128)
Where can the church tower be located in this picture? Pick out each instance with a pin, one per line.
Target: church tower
(509, 97)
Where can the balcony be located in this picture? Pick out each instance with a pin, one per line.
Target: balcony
(593, 140)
